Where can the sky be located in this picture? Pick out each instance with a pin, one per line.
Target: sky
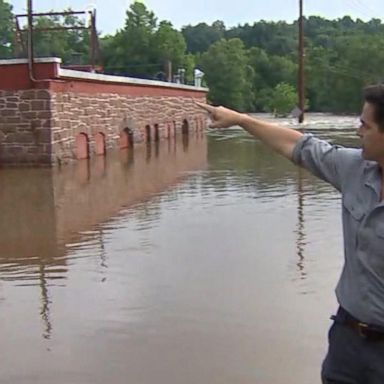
(111, 13)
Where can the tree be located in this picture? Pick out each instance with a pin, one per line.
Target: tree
(275, 38)
(269, 70)
(143, 47)
(169, 45)
(189, 64)
(69, 45)
(6, 29)
(201, 36)
(243, 65)
(282, 100)
(227, 74)
(321, 71)
(130, 51)
(360, 63)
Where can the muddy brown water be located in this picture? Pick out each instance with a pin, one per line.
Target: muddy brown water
(208, 260)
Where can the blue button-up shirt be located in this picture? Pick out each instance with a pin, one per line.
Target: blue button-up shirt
(361, 286)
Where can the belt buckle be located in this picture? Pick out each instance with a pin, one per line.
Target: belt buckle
(362, 329)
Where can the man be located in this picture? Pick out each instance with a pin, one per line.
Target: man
(356, 337)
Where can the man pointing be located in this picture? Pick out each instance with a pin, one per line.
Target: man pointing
(356, 337)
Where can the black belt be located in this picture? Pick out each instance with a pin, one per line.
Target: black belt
(367, 331)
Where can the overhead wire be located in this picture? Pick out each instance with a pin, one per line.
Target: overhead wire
(360, 8)
(345, 71)
(366, 6)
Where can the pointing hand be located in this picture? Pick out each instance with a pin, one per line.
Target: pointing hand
(221, 117)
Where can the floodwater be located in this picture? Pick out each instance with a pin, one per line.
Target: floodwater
(209, 260)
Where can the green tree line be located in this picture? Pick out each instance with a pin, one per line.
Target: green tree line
(250, 67)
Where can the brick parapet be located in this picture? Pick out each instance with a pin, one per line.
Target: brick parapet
(39, 126)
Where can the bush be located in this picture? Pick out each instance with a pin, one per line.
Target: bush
(283, 99)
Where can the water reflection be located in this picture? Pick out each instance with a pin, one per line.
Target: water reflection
(45, 303)
(300, 230)
(48, 213)
(248, 169)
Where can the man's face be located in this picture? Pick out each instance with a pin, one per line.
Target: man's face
(372, 139)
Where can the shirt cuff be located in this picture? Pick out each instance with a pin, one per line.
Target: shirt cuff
(296, 154)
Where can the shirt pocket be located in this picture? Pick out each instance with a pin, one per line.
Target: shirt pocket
(379, 229)
(354, 207)
(375, 246)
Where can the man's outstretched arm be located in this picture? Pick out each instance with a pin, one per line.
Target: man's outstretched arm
(281, 139)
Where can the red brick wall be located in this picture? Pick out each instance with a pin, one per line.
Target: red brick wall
(110, 114)
(40, 126)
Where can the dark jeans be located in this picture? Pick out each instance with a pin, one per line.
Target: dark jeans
(352, 359)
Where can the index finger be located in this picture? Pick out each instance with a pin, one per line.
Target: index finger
(207, 107)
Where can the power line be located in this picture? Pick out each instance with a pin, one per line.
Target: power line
(366, 6)
(358, 7)
(345, 71)
(159, 65)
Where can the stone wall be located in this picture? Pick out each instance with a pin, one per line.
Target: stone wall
(25, 127)
(112, 114)
(63, 115)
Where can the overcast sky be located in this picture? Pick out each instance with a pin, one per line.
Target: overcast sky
(111, 13)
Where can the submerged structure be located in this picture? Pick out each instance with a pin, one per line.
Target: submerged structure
(58, 115)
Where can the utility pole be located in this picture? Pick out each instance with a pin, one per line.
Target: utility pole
(93, 38)
(30, 29)
(31, 59)
(168, 70)
(300, 84)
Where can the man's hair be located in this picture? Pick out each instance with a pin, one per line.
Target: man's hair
(374, 94)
